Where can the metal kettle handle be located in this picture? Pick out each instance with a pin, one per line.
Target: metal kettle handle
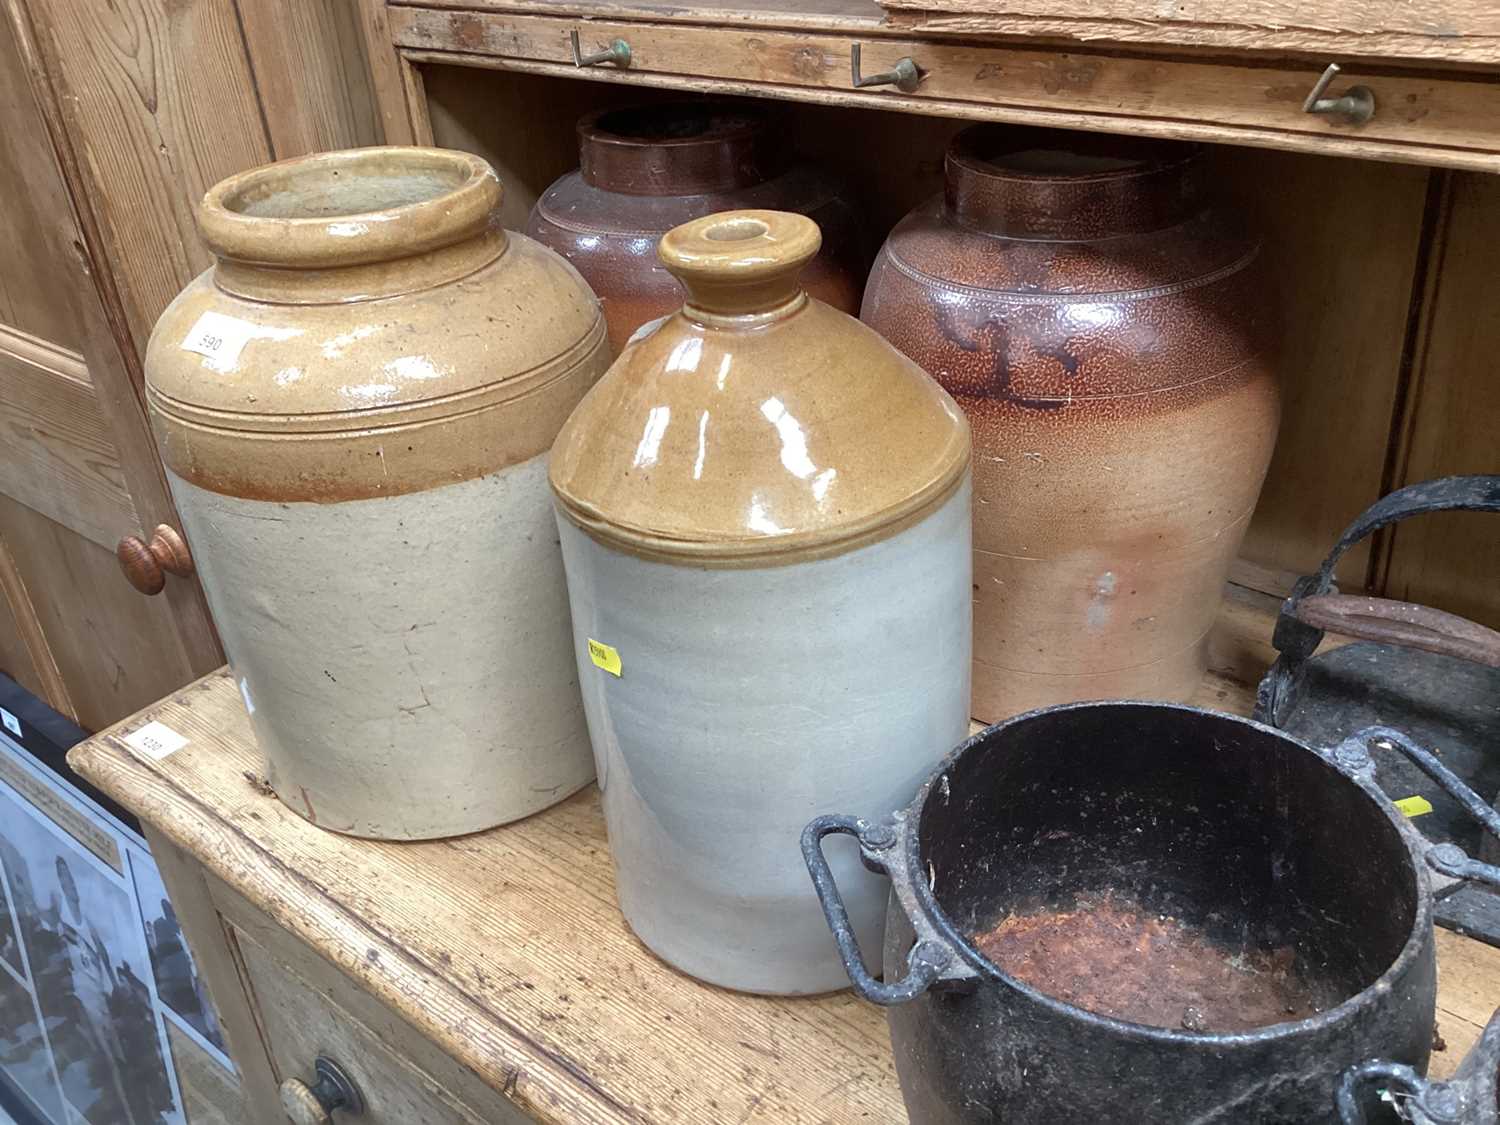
(927, 959)
(1312, 606)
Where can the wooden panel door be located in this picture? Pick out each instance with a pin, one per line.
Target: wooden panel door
(78, 470)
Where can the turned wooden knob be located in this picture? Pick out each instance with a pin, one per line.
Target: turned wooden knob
(300, 1104)
(144, 563)
(314, 1105)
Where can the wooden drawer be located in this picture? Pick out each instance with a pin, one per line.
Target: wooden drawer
(301, 1023)
(1428, 116)
(305, 1007)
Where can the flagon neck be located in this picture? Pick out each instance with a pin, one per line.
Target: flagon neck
(679, 148)
(353, 225)
(741, 266)
(1051, 184)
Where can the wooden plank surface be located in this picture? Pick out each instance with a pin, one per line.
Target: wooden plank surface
(1443, 31)
(116, 649)
(1453, 561)
(507, 949)
(159, 99)
(863, 16)
(24, 655)
(43, 266)
(311, 76)
(1426, 119)
(387, 85)
(57, 455)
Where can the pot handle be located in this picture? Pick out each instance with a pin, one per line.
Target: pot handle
(1352, 755)
(1468, 1097)
(927, 959)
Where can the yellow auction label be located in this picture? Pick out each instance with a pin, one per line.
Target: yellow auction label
(604, 656)
(1411, 806)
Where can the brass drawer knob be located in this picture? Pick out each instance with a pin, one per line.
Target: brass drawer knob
(315, 1104)
(144, 563)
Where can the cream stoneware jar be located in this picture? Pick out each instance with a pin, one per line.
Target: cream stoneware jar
(764, 512)
(354, 405)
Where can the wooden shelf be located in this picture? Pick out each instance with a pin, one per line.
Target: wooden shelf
(507, 950)
(1430, 112)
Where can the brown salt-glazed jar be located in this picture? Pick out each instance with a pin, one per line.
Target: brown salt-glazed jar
(1108, 335)
(646, 169)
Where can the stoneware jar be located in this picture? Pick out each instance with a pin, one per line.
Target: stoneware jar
(646, 169)
(1107, 333)
(355, 405)
(765, 519)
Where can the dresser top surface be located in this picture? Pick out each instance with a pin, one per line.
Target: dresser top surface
(506, 948)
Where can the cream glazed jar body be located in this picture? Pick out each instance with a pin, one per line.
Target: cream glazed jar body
(354, 406)
(764, 519)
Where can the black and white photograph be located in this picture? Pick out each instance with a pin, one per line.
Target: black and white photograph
(10, 941)
(25, 1061)
(178, 985)
(77, 926)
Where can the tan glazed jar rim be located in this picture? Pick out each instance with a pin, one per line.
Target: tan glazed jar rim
(354, 207)
(740, 263)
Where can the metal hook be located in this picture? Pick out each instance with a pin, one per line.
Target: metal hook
(904, 77)
(618, 52)
(1354, 107)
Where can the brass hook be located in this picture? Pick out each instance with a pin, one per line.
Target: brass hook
(618, 52)
(904, 77)
(1354, 107)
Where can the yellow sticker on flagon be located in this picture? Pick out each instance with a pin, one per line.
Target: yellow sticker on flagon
(604, 656)
(1410, 806)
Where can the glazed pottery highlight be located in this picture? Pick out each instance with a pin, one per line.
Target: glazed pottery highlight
(646, 169)
(1147, 912)
(354, 406)
(1107, 333)
(765, 519)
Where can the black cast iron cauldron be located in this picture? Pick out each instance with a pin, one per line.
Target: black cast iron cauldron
(1243, 835)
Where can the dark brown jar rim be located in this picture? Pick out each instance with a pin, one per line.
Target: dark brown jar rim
(1025, 182)
(678, 148)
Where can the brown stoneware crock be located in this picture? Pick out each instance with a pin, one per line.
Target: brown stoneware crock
(646, 169)
(1108, 333)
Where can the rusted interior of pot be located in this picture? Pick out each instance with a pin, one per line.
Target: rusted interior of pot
(1169, 867)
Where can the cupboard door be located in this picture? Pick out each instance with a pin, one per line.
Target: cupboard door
(77, 468)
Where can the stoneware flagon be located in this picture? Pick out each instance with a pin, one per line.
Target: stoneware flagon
(355, 405)
(764, 512)
(1108, 334)
(646, 169)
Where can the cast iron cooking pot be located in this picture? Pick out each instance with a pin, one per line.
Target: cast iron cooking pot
(1235, 833)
